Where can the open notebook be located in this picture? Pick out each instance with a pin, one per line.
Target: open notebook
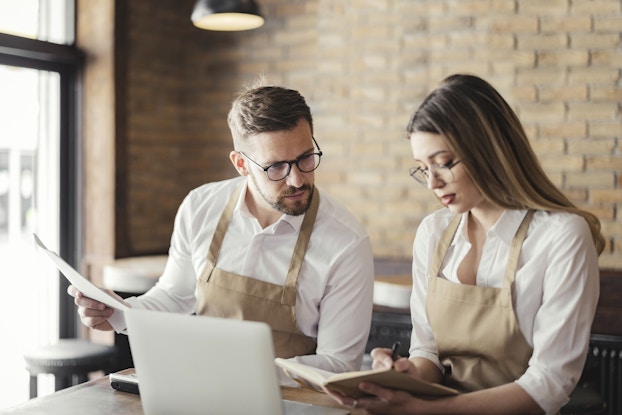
(205, 365)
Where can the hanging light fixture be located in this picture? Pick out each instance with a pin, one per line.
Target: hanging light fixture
(226, 15)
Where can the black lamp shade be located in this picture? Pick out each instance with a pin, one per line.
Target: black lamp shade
(226, 15)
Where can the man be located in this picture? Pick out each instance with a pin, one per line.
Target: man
(266, 245)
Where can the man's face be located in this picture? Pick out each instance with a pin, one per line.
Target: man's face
(291, 195)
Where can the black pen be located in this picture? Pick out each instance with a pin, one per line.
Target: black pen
(395, 351)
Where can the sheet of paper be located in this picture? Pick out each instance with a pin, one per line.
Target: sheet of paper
(82, 284)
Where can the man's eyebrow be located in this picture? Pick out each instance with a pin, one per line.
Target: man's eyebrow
(305, 153)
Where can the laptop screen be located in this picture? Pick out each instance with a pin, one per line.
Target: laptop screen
(206, 365)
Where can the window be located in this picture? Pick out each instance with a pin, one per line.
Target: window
(47, 20)
(39, 180)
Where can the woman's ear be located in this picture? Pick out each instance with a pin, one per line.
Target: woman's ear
(239, 162)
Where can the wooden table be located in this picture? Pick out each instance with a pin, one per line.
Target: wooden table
(97, 397)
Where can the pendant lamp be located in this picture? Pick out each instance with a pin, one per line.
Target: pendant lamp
(226, 15)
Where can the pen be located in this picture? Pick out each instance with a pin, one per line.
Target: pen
(395, 351)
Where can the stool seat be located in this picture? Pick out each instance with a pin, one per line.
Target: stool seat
(134, 275)
(69, 360)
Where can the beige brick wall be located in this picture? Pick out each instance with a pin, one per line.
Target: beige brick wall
(364, 66)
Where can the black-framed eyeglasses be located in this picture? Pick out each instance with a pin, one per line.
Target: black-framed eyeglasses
(439, 171)
(281, 169)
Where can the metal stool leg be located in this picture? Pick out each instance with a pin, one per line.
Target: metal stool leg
(33, 386)
(80, 378)
(61, 382)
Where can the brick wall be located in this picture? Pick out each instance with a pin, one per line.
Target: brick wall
(364, 66)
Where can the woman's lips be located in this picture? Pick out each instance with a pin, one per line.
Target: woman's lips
(446, 200)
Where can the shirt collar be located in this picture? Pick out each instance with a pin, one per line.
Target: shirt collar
(508, 224)
(295, 222)
(505, 228)
(462, 230)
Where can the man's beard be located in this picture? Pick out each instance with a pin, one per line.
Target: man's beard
(300, 207)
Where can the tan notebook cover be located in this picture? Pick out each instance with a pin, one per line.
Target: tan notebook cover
(347, 383)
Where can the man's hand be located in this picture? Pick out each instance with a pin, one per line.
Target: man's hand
(92, 313)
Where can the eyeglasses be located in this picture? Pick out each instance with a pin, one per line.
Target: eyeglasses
(281, 169)
(439, 171)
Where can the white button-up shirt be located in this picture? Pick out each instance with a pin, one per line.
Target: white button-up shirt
(334, 288)
(554, 295)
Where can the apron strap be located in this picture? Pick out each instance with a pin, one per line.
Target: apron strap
(219, 234)
(289, 289)
(443, 245)
(515, 248)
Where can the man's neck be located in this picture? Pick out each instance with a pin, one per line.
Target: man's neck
(265, 214)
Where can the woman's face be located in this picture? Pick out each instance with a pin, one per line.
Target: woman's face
(452, 186)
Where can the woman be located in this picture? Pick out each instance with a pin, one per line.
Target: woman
(505, 277)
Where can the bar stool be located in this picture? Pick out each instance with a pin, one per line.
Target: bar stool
(69, 360)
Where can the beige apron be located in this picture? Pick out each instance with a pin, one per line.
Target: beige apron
(226, 294)
(475, 328)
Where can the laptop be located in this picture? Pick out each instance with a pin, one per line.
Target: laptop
(206, 365)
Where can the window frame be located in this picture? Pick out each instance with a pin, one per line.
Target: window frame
(68, 62)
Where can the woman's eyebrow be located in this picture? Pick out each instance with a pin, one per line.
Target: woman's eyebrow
(433, 155)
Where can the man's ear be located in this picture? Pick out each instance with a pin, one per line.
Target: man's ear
(239, 162)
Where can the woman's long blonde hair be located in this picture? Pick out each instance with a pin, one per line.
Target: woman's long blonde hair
(489, 140)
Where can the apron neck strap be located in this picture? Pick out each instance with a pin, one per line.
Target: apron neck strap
(515, 248)
(221, 230)
(443, 245)
(289, 290)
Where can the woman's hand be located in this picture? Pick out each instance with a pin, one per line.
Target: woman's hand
(383, 359)
(381, 401)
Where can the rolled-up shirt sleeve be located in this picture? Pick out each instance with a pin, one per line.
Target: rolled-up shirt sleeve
(346, 308)
(422, 339)
(562, 324)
